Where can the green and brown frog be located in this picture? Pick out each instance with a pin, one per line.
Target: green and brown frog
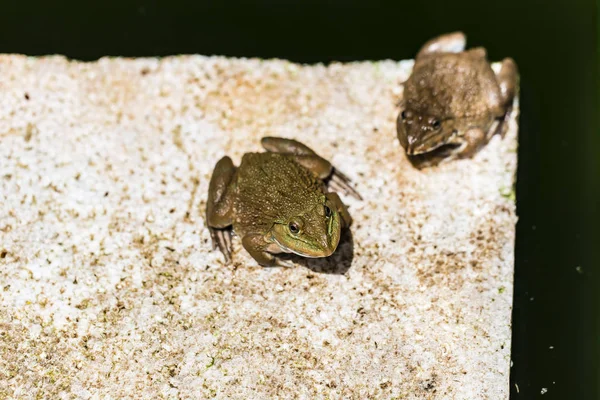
(278, 202)
(453, 101)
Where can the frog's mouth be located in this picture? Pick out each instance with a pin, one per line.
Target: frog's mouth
(442, 151)
(435, 156)
(285, 249)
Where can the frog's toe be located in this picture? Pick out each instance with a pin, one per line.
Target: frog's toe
(284, 263)
(213, 238)
(339, 182)
(221, 239)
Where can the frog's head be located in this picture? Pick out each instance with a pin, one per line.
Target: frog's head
(420, 134)
(313, 233)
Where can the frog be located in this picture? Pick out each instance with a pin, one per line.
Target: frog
(453, 101)
(283, 200)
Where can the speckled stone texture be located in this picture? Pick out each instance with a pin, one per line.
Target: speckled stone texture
(109, 286)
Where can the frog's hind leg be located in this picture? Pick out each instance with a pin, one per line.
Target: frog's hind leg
(310, 160)
(286, 146)
(219, 206)
(508, 77)
(301, 153)
(449, 43)
(508, 80)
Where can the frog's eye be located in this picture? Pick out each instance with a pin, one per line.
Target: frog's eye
(436, 124)
(327, 212)
(294, 227)
(403, 114)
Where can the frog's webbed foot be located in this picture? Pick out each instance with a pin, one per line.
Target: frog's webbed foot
(449, 43)
(338, 182)
(221, 239)
(283, 263)
(334, 179)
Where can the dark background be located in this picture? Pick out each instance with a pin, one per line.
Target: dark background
(558, 192)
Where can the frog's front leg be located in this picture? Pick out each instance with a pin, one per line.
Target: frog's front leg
(340, 208)
(257, 246)
(301, 153)
(473, 140)
(310, 160)
(219, 206)
(449, 43)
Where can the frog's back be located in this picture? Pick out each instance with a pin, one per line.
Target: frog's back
(452, 85)
(272, 187)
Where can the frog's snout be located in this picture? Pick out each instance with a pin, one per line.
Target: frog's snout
(401, 132)
(411, 145)
(330, 249)
(327, 246)
(406, 131)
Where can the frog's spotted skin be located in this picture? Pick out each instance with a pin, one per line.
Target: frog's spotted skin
(453, 101)
(277, 202)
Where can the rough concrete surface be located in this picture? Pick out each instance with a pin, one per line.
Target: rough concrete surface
(110, 289)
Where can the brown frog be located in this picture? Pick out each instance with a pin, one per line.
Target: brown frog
(278, 202)
(453, 101)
